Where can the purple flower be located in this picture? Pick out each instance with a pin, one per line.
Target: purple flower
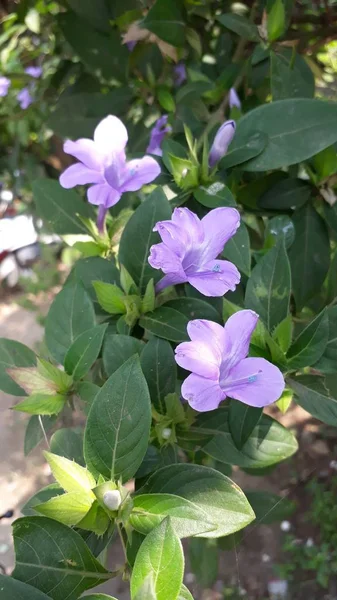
(234, 99)
(189, 249)
(35, 72)
(24, 98)
(4, 86)
(221, 142)
(130, 45)
(217, 358)
(102, 161)
(158, 133)
(180, 74)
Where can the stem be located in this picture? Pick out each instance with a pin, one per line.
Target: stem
(44, 431)
(120, 532)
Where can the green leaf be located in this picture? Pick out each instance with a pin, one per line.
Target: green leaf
(68, 509)
(70, 314)
(290, 78)
(41, 404)
(149, 298)
(242, 420)
(282, 334)
(118, 425)
(309, 255)
(96, 520)
(58, 207)
(166, 99)
(84, 351)
(184, 594)
(160, 370)
(240, 25)
(34, 432)
(166, 323)
(243, 149)
(69, 444)
(204, 558)
(268, 289)
(328, 361)
(310, 344)
(70, 476)
(61, 564)
(110, 297)
(269, 507)
(296, 129)
(276, 20)
(314, 397)
(277, 227)
(96, 15)
(237, 250)
(13, 354)
(62, 381)
(215, 195)
(100, 597)
(138, 237)
(13, 589)
(187, 519)
(222, 500)
(194, 308)
(269, 443)
(117, 349)
(166, 21)
(92, 269)
(50, 491)
(284, 194)
(160, 555)
(32, 381)
(146, 590)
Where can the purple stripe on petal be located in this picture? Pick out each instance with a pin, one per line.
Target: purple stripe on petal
(217, 279)
(79, 174)
(139, 172)
(200, 358)
(219, 225)
(254, 381)
(201, 393)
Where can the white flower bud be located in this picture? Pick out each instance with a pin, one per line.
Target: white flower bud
(285, 526)
(166, 433)
(112, 499)
(184, 172)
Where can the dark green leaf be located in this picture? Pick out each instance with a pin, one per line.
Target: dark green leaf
(166, 323)
(84, 351)
(88, 270)
(11, 589)
(310, 344)
(13, 354)
(138, 237)
(118, 349)
(243, 149)
(160, 370)
(59, 207)
(268, 289)
(330, 215)
(165, 19)
(99, 597)
(309, 255)
(34, 432)
(70, 314)
(97, 15)
(314, 397)
(296, 129)
(285, 194)
(290, 80)
(328, 361)
(237, 250)
(61, 564)
(160, 556)
(193, 308)
(215, 195)
(241, 26)
(242, 420)
(222, 500)
(280, 226)
(68, 443)
(269, 507)
(204, 558)
(118, 425)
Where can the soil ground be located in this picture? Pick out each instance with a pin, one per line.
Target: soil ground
(251, 567)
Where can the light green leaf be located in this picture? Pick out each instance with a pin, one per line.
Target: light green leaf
(42, 404)
(187, 518)
(84, 351)
(63, 382)
(237, 250)
(309, 346)
(61, 565)
(117, 349)
(276, 20)
(88, 270)
(160, 555)
(314, 397)
(146, 591)
(160, 370)
(268, 289)
(282, 334)
(184, 594)
(166, 323)
(70, 314)
(50, 491)
(13, 354)
(68, 509)
(70, 476)
(118, 425)
(110, 297)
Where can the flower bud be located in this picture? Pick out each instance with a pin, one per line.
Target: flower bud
(221, 142)
(112, 499)
(234, 99)
(166, 433)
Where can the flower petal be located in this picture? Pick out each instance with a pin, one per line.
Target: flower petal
(170, 279)
(202, 394)
(219, 225)
(189, 222)
(173, 237)
(237, 332)
(139, 172)
(265, 386)
(219, 277)
(200, 358)
(110, 135)
(201, 330)
(85, 151)
(103, 194)
(221, 142)
(79, 174)
(161, 257)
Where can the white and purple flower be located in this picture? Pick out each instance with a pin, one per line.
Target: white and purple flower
(24, 98)
(4, 86)
(189, 249)
(157, 135)
(221, 142)
(35, 72)
(217, 358)
(103, 163)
